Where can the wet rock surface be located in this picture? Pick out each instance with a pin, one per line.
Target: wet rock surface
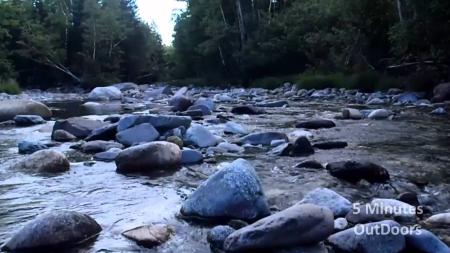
(411, 144)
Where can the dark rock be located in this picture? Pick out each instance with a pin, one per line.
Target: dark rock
(352, 240)
(11, 108)
(247, 109)
(330, 145)
(108, 156)
(311, 164)
(363, 214)
(158, 155)
(263, 138)
(441, 93)
(63, 136)
(302, 147)
(233, 192)
(180, 103)
(28, 147)
(44, 161)
(105, 133)
(160, 122)
(284, 149)
(316, 124)
(273, 104)
(189, 156)
(112, 119)
(203, 108)
(353, 171)
(28, 120)
(57, 230)
(301, 224)
(410, 198)
(217, 235)
(149, 236)
(424, 241)
(79, 127)
(139, 134)
(350, 113)
(93, 147)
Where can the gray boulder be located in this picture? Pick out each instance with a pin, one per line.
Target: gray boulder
(108, 156)
(298, 225)
(44, 161)
(363, 239)
(160, 122)
(157, 155)
(105, 93)
(379, 114)
(233, 192)
(189, 156)
(234, 128)
(28, 147)
(263, 138)
(56, 230)
(139, 134)
(217, 235)
(180, 103)
(79, 127)
(350, 113)
(424, 241)
(11, 108)
(200, 136)
(441, 93)
(327, 198)
(28, 120)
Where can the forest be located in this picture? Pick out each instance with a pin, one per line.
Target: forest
(343, 43)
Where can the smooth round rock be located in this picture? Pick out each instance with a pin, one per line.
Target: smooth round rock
(11, 108)
(105, 93)
(54, 230)
(44, 161)
(28, 120)
(324, 197)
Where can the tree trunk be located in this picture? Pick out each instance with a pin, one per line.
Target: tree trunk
(240, 17)
(399, 9)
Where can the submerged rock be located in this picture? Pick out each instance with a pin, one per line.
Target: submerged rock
(79, 127)
(44, 161)
(57, 230)
(263, 138)
(301, 224)
(233, 192)
(105, 93)
(149, 236)
(353, 171)
(11, 108)
(158, 155)
(28, 120)
(28, 147)
(324, 197)
(316, 124)
(353, 240)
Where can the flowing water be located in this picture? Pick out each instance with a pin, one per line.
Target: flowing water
(414, 147)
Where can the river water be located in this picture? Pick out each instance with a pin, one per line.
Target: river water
(414, 147)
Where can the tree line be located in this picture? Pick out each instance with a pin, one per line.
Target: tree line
(50, 42)
(243, 40)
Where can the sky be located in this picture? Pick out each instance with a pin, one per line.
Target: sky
(160, 12)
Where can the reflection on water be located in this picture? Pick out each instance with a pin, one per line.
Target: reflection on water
(67, 109)
(416, 146)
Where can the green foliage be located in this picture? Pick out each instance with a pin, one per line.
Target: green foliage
(77, 41)
(9, 86)
(271, 82)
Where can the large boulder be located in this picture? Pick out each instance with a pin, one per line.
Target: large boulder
(139, 134)
(316, 124)
(105, 93)
(424, 241)
(79, 127)
(353, 171)
(339, 205)
(44, 161)
(233, 192)
(160, 122)
(56, 231)
(158, 155)
(189, 156)
(200, 136)
(263, 138)
(298, 225)
(11, 108)
(28, 120)
(441, 92)
(363, 239)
